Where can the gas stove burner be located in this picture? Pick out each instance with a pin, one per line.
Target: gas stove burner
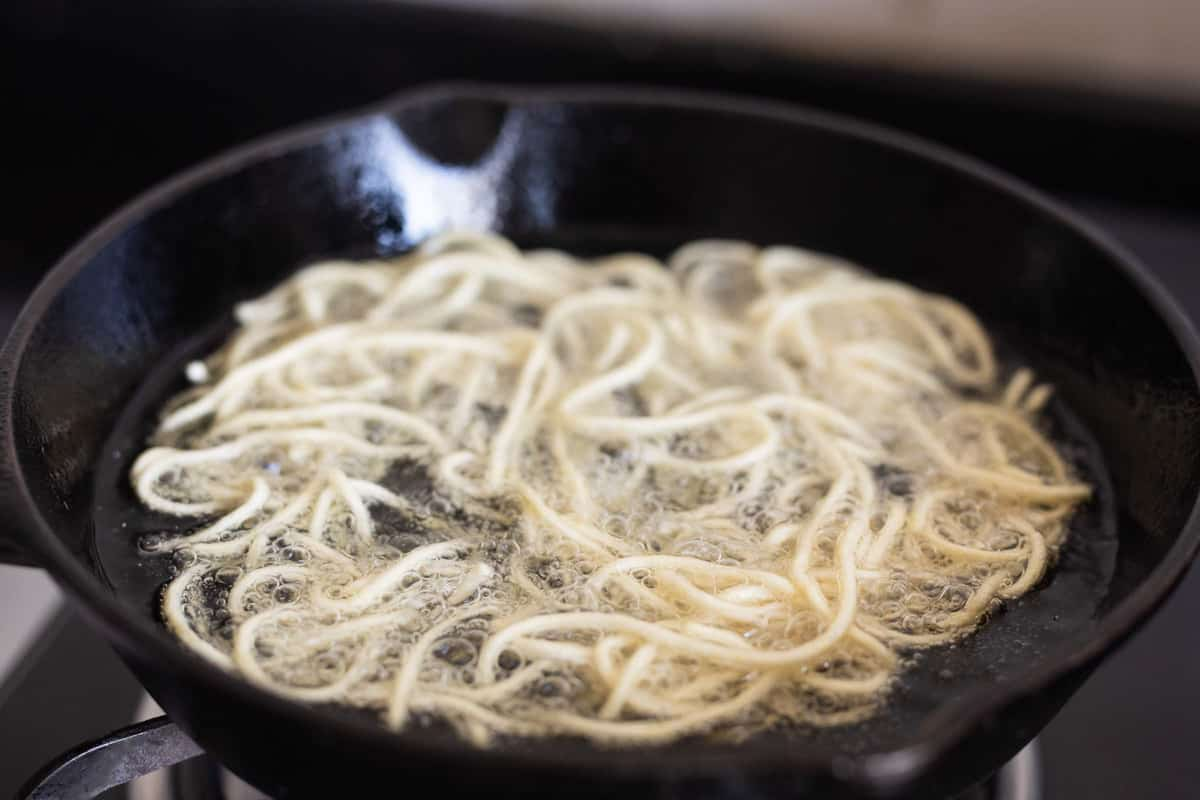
(203, 778)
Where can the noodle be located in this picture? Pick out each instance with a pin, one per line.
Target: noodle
(533, 495)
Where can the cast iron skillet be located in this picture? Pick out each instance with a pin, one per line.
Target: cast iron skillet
(609, 169)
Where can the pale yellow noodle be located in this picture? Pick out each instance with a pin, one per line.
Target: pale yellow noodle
(641, 502)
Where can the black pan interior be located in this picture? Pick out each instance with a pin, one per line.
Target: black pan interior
(1015, 639)
(604, 173)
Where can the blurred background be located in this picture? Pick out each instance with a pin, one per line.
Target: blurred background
(1096, 102)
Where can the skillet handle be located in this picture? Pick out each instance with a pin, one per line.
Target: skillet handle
(11, 553)
(11, 522)
(112, 761)
(12, 519)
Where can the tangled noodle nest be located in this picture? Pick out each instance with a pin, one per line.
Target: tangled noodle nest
(532, 494)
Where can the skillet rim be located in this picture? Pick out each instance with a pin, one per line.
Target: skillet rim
(937, 734)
